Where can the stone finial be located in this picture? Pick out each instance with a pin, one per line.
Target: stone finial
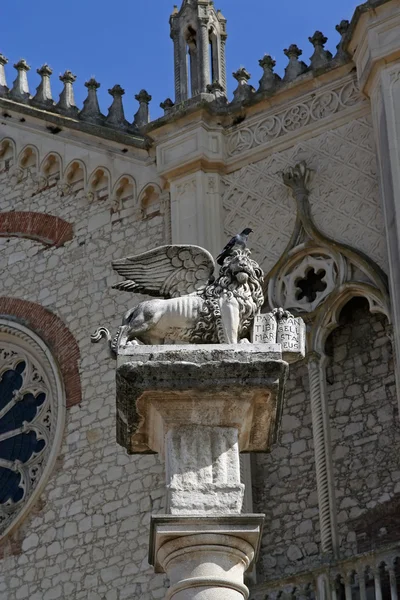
(142, 117)
(20, 88)
(244, 91)
(66, 103)
(116, 115)
(3, 81)
(342, 29)
(321, 57)
(269, 80)
(217, 90)
(43, 91)
(91, 108)
(167, 106)
(295, 67)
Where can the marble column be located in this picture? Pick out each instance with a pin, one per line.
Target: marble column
(188, 404)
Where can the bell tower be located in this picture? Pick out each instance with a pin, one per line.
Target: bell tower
(198, 31)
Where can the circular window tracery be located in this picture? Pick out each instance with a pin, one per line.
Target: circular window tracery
(32, 411)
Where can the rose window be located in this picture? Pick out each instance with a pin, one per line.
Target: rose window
(31, 419)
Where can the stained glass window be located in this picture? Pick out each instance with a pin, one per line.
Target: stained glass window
(30, 400)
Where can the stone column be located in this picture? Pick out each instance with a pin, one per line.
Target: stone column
(319, 415)
(393, 583)
(204, 53)
(188, 404)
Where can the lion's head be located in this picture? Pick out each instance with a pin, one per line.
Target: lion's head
(243, 278)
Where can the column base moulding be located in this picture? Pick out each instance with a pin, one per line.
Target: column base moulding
(205, 558)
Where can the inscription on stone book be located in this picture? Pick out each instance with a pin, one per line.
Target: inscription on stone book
(265, 329)
(288, 331)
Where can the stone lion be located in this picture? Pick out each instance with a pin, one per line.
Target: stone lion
(194, 306)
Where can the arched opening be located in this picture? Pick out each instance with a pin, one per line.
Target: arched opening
(7, 155)
(51, 169)
(193, 61)
(364, 431)
(124, 193)
(99, 184)
(213, 56)
(75, 176)
(150, 202)
(28, 158)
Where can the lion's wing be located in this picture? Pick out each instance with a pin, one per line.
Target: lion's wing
(166, 272)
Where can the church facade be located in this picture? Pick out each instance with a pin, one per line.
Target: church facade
(80, 188)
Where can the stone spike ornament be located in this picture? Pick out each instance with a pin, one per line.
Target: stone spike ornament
(167, 106)
(66, 103)
(3, 81)
(20, 88)
(116, 115)
(244, 91)
(270, 80)
(43, 95)
(91, 109)
(321, 57)
(142, 117)
(342, 29)
(295, 67)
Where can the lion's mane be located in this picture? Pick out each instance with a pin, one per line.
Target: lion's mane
(249, 295)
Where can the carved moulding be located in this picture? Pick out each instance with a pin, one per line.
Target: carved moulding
(299, 115)
(315, 269)
(315, 277)
(32, 417)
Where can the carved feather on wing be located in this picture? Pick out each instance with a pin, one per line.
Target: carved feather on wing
(166, 272)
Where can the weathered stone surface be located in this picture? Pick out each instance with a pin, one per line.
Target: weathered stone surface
(238, 386)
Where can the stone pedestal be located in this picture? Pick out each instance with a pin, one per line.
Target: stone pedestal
(205, 558)
(198, 407)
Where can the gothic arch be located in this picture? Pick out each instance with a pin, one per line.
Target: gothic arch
(43, 228)
(74, 173)
(28, 158)
(8, 153)
(51, 165)
(99, 183)
(149, 200)
(56, 336)
(124, 190)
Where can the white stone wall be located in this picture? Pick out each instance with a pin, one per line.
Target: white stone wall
(88, 537)
(344, 196)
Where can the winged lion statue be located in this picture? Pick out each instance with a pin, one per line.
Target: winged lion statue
(190, 304)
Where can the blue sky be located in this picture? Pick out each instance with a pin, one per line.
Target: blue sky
(127, 41)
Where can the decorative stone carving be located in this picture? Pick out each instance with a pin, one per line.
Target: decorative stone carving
(20, 88)
(43, 95)
(116, 116)
(321, 57)
(66, 103)
(342, 29)
(244, 91)
(295, 67)
(280, 327)
(3, 81)
(195, 308)
(142, 117)
(270, 80)
(31, 420)
(91, 109)
(294, 117)
(344, 197)
(167, 106)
